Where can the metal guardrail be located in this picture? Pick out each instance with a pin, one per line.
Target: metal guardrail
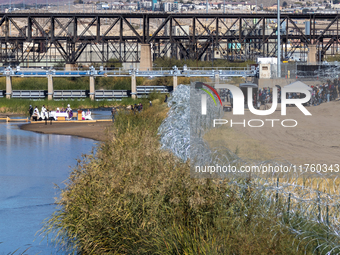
(29, 94)
(99, 94)
(69, 73)
(57, 94)
(208, 72)
(30, 73)
(150, 89)
(110, 94)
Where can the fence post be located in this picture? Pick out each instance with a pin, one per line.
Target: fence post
(277, 192)
(288, 204)
(319, 209)
(327, 218)
(319, 219)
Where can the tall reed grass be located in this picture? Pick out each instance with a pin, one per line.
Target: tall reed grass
(131, 197)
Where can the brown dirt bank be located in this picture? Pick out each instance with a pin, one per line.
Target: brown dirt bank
(95, 130)
(316, 138)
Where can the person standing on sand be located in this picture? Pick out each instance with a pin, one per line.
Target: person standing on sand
(43, 112)
(328, 91)
(231, 99)
(30, 111)
(36, 115)
(69, 112)
(113, 112)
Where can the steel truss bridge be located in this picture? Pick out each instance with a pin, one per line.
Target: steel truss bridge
(95, 38)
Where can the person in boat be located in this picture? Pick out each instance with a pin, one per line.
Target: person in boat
(58, 110)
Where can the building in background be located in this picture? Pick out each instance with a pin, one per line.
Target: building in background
(103, 6)
(170, 7)
(154, 3)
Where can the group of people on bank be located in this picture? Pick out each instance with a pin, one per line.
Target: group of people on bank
(324, 93)
(45, 114)
(136, 107)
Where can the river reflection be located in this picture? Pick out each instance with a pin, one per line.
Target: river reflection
(30, 164)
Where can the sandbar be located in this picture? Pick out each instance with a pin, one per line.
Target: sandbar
(95, 130)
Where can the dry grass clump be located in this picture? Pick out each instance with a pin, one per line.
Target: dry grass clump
(133, 198)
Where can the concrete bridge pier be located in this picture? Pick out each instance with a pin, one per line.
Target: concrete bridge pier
(312, 56)
(145, 57)
(50, 87)
(8, 86)
(92, 87)
(174, 82)
(217, 78)
(133, 86)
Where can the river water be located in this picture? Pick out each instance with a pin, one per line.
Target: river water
(30, 165)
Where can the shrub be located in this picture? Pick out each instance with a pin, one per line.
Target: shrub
(133, 198)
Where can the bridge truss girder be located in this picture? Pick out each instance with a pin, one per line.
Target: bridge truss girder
(96, 38)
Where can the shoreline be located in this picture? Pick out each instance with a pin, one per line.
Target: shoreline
(94, 130)
(4, 115)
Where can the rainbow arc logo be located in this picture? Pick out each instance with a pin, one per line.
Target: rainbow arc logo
(199, 85)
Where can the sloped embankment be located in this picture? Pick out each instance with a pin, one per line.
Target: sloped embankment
(133, 198)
